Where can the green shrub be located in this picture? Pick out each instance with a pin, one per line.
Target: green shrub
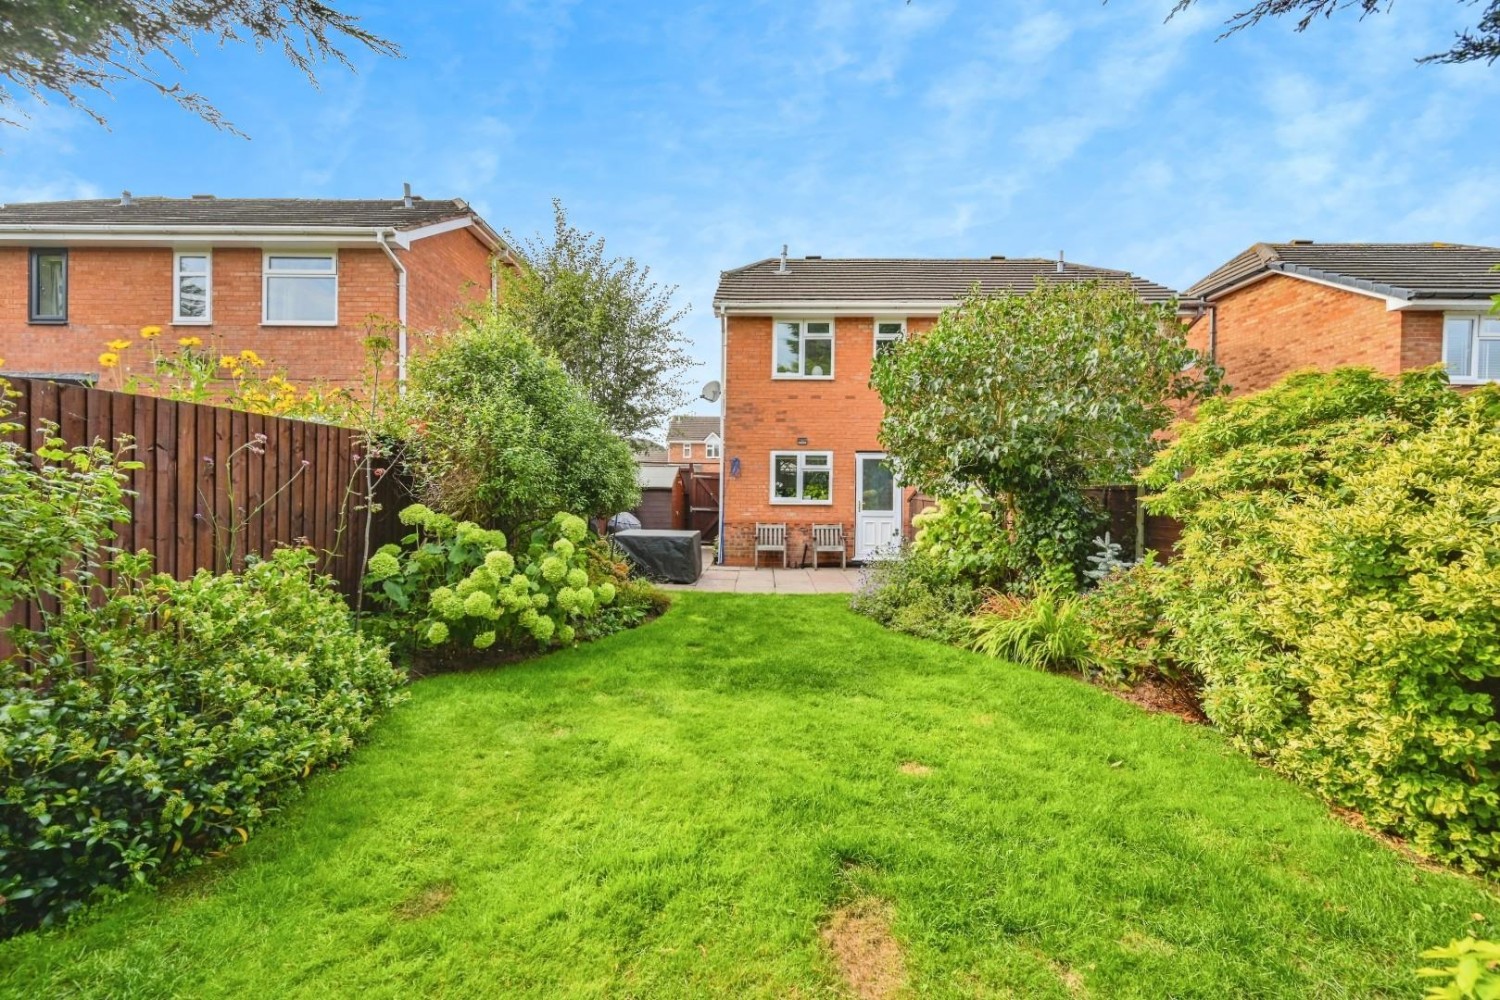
(456, 587)
(503, 436)
(167, 719)
(965, 540)
(1474, 972)
(1126, 613)
(1337, 588)
(1045, 632)
(911, 593)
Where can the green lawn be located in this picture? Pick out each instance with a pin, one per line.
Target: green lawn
(676, 811)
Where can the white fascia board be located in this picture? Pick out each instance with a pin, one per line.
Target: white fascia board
(1391, 302)
(818, 310)
(132, 235)
(1439, 305)
(404, 238)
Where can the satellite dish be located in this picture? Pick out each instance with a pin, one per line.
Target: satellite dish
(711, 392)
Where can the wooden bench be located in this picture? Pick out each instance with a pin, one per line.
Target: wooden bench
(829, 538)
(770, 538)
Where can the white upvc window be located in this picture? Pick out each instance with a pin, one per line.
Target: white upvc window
(803, 348)
(1471, 347)
(711, 447)
(687, 450)
(192, 286)
(300, 289)
(802, 477)
(888, 333)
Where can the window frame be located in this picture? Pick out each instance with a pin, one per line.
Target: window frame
(799, 500)
(208, 288)
(1476, 322)
(802, 339)
(265, 285)
(34, 288)
(687, 451)
(879, 338)
(712, 448)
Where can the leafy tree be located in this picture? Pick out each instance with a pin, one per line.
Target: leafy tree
(1482, 42)
(75, 49)
(503, 436)
(613, 328)
(1031, 398)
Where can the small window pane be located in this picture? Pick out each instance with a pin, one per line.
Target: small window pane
(1489, 326)
(888, 329)
(818, 328)
(1458, 346)
(192, 265)
(301, 300)
(192, 298)
(51, 299)
(321, 263)
(815, 484)
(788, 348)
(1489, 359)
(820, 461)
(786, 477)
(819, 359)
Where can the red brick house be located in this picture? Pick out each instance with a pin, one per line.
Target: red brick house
(298, 281)
(800, 421)
(1279, 307)
(694, 441)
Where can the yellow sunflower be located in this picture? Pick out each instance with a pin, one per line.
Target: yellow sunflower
(190, 341)
(148, 332)
(118, 345)
(108, 359)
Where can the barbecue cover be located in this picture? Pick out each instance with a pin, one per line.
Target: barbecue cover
(670, 556)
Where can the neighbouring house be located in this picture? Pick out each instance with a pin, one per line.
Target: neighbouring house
(1279, 307)
(694, 440)
(800, 421)
(299, 281)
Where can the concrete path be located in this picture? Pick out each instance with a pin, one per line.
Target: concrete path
(742, 580)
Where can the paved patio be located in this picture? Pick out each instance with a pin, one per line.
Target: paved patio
(743, 580)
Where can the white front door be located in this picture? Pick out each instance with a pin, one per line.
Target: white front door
(877, 519)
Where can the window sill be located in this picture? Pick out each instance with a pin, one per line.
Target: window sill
(285, 322)
(802, 378)
(34, 321)
(783, 502)
(191, 322)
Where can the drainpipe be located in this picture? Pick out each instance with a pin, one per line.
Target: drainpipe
(723, 426)
(1213, 332)
(400, 310)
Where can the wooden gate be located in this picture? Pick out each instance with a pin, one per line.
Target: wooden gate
(702, 491)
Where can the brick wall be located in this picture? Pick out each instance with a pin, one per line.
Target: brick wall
(762, 414)
(114, 291)
(1281, 324)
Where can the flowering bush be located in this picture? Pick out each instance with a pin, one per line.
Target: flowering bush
(456, 585)
(964, 539)
(194, 372)
(169, 718)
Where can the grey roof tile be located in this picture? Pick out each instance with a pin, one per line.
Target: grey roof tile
(690, 428)
(1410, 271)
(386, 213)
(814, 280)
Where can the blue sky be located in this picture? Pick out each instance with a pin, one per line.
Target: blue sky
(701, 137)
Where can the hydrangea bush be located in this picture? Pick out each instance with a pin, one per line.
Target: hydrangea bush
(456, 585)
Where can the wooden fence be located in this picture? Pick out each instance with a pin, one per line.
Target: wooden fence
(207, 472)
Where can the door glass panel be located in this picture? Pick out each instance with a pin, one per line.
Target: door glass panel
(878, 485)
(1458, 347)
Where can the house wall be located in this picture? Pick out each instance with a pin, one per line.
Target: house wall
(677, 453)
(763, 414)
(114, 291)
(1282, 324)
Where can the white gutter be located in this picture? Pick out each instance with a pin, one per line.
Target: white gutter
(400, 310)
(858, 307)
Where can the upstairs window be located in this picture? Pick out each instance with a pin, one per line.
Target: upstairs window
(1471, 347)
(687, 450)
(888, 333)
(192, 284)
(802, 477)
(301, 289)
(48, 298)
(804, 348)
(711, 448)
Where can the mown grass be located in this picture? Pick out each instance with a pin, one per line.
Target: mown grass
(674, 812)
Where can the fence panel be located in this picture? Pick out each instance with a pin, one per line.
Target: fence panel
(210, 491)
